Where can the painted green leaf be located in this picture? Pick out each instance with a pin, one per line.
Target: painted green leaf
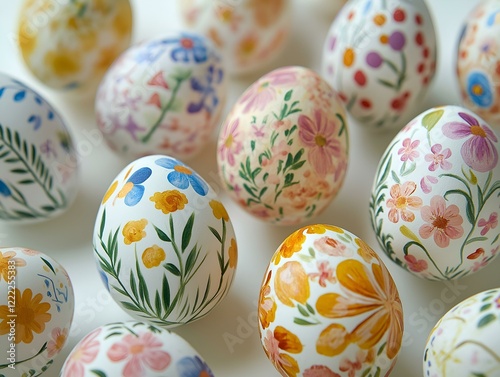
(161, 235)
(485, 320)
(478, 374)
(172, 269)
(302, 322)
(165, 293)
(215, 233)
(288, 95)
(431, 119)
(49, 265)
(303, 311)
(485, 307)
(186, 233)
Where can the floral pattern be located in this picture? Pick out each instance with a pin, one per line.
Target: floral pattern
(177, 263)
(249, 33)
(132, 349)
(381, 57)
(40, 301)
(183, 91)
(83, 39)
(477, 63)
(283, 148)
(433, 210)
(37, 158)
(343, 308)
(460, 344)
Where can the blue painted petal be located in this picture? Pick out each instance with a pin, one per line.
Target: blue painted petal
(19, 96)
(178, 179)
(4, 189)
(167, 163)
(198, 184)
(134, 196)
(140, 176)
(192, 367)
(485, 97)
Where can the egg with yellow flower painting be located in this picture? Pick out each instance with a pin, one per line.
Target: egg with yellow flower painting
(36, 311)
(328, 306)
(71, 44)
(164, 244)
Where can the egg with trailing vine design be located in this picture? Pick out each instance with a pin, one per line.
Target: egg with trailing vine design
(164, 243)
(435, 198)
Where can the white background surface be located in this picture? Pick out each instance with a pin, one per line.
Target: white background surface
(68, 238)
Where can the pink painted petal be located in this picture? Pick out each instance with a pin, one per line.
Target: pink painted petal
(438, 205)
(441, 239)
(133, 368)
(393, 215)
(427, 214)
(407, 215)
(395, 191)
(480, 154)
(118, 352)
(482, 222)
(456, 130)
(333, 148)
(469, 119)
(414, 202)
(321, 163)
(307, 130)
(408, 188)
(436, 148)
(489, 133)
(453, 232)
(74, 369)
(157, 360)
(425, 231)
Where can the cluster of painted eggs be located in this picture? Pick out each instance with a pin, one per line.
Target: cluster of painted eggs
(165, 245)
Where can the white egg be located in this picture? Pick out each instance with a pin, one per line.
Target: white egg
(36, 311)
(38, 162)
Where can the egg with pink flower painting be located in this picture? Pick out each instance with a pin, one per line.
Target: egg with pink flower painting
(381, 57)
(436, 195)
(283, 148)
(163, 96)
(132, 349)
(328, 306)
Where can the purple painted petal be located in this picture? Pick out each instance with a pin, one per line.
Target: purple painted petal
(469, 119)
(456, 130)
(480, 154)
(489, 132)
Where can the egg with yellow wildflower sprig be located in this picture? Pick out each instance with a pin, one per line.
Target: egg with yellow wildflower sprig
(36, 311)
(329, 307)
(71, 44)
(164, 244)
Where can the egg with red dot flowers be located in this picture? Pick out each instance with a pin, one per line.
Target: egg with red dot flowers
(435, 197)
(70, 44)
(36, 311)
(164, 95)
(133, 349)
(249, 33)
(164, 244)
(327, 302)
(381, 57)
(464, 343)
(283, 148)
(478, 62)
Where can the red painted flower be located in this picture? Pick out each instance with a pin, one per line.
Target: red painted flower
(414, 264)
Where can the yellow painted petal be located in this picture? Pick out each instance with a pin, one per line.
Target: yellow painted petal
(288, 341)
(110, 192)
(289, 365)
(333, 340)
(333, 305)
(292, 283)
(369, 332)
(405, 231)
(353, 275)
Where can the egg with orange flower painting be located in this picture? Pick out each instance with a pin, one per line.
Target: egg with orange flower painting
(71, 44)
(36, 311)
(249, 33)
(329, 307)
(164, 243)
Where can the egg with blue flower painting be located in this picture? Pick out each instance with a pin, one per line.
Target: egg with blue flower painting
(36, 311)
(164, 96)
(478, 62)
(164, 243)
(38, 162)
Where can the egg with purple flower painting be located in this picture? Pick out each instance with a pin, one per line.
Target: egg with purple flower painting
(436, 195)
(381, 57)
(283, 148)
(164, 96)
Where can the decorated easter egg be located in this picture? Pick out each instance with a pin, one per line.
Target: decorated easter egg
(478, 61)
(328, 302)
(71, 44)
(38, 162)
(435, 197)
(283, 148)
(381, 56)
(464, 343)
(164, 243)
(249, 33)
(36, 311)
(163, 96)
(134, 349)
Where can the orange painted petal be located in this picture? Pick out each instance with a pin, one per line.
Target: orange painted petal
(127, 187)
(333, 340)
(155, 100)
(332, 305)
(288, 341)
(395, 335)
(292, 283)
(369, 332)
(289, 365)
(353, 275)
